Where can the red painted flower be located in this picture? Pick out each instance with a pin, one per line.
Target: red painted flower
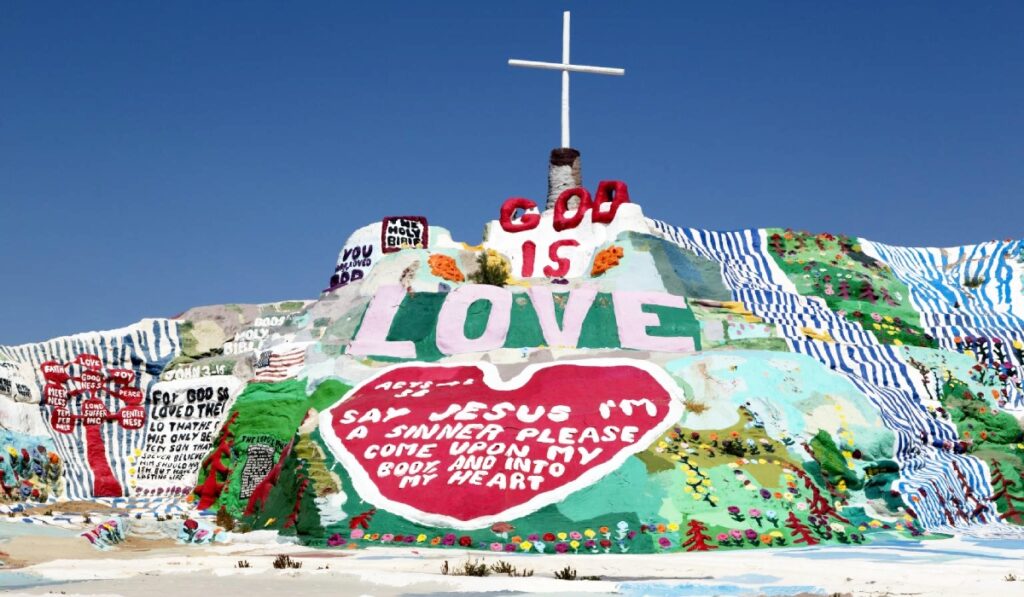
(465, 541)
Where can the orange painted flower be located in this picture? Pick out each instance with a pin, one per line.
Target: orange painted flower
(445, 267)
(606, 259)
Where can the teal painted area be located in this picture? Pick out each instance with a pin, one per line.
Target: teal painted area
(784, 387)
(683, 272)
(627, 489)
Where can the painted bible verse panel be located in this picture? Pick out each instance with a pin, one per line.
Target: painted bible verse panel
(455, 445)
(184, 416)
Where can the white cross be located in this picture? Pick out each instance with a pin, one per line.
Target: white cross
(566, 68)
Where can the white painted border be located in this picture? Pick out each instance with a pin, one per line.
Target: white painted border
(368, 491)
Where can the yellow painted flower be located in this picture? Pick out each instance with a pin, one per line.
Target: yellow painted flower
(525, 545)
(589, 533)
(421, 538)
(562, 536)
(574, 544)
(673, 527)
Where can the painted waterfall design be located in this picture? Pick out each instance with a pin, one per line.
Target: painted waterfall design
(928, 472)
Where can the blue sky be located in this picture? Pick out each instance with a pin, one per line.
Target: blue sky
(159, 156)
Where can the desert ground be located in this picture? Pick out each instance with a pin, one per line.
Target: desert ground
(45, 560)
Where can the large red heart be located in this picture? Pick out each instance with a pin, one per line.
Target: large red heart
(455, 446)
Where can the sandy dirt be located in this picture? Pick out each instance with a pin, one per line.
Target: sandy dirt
(69, 565)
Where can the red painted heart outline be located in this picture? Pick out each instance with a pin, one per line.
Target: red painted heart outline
(409, 503)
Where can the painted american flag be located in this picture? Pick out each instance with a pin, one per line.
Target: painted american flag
(273, 366)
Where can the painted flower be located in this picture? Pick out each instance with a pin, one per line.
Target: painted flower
(562, 536)
(664, 542)
(510, 547)
(751, 534)
(549, 536)
(421, 538)
(435, 541)
(517, 539)
(765, 493)
(335, 540)
(497, 547)
(525, 545)
(575, 535)
(589, 533)
(590, 544)
(754, 513)
(673, 527)
(736, 534)
(465, 541)
(533, 537)
(574, 544)
(767, 539)
(837, 528)
(387, 538)
(561, 547)
(723, 537)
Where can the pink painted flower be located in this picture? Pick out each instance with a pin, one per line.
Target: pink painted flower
(357, 533)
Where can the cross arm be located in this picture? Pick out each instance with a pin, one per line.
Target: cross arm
(575, 68)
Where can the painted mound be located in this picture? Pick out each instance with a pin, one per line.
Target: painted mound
(586, 380)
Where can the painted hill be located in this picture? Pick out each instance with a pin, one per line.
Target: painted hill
(586, 380)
